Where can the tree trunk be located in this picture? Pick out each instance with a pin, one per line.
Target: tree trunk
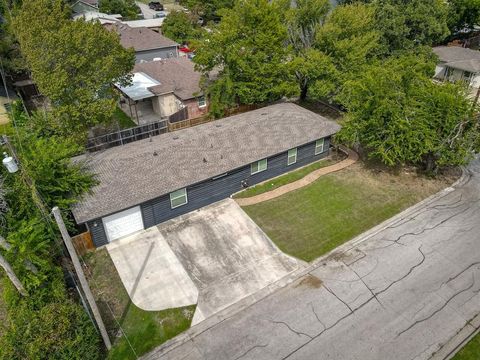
(11, 275)
(303, 91)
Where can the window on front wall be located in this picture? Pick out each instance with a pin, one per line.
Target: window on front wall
(178, 198)
(319, 146)
(467, 77)
(258, 166)
(201, 101)
(292, 156)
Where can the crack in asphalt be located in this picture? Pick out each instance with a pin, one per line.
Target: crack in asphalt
(316, 315)
(250, 349)
(407, 274)
(299, 333)
(368, 287)
(338, 297)
(437, 310)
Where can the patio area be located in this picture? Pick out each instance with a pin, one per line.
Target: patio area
(141, 112)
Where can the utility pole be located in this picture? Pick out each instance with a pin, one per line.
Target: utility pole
(81, 277)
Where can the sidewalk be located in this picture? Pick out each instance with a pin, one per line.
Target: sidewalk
(307, 180)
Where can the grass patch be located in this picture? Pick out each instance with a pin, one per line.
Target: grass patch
(3, 306)
(311, 221)
(284, 179)
(123, 120)
(471, 351)
(144, 329)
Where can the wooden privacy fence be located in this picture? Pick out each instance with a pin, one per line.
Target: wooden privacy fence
(83, 243)
(187, 123)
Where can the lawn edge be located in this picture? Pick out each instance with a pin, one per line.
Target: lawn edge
(230, 311)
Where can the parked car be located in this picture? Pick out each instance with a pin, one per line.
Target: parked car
(160, 14)
(155, 5)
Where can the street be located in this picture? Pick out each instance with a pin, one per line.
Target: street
(400, 294)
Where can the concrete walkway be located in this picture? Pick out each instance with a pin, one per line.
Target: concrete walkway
(306, 180)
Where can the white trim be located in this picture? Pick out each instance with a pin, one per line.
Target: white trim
(258, 167)
(289, 156)
(176, 197)
(317, 146)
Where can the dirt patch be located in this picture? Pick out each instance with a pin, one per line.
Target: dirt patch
(310, 281)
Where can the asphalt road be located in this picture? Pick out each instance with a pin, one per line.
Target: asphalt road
(400, 294)
(146, 11)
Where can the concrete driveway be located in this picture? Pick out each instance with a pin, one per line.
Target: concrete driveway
(214, 257)
(400, 292)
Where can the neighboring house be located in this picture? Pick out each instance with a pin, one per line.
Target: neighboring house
(83, 6)
(147, 182)
(458, 64)
(98, 16)
(148, 44)
(163, 88)
(152, 24)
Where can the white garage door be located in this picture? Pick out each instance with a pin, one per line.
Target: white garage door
(123, 223)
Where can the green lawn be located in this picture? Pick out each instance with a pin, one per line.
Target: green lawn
(144, 329)
(471, 351)
(3, 308)
(311, 221)
(124, 121)
(284, 179)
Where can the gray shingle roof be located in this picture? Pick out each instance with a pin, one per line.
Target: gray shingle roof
(130, 175)
(175, 75)
(459, 58)
(140, 38)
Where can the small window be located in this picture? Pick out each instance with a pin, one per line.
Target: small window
(292, 156)
(201, 102)
(178, 198)
(467, 77)
(259, 166)
(319, 146)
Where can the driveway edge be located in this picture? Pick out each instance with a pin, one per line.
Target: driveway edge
(248, 301)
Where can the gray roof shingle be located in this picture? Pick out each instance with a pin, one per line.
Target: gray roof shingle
(140, 38)
(459, 58)
(175, 75)
(130, 175)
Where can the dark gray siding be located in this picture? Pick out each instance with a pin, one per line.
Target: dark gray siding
(149, 55)
(207, 192)
(98, 232)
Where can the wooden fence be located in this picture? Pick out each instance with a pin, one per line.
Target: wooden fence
(188, 123)
(83, 243)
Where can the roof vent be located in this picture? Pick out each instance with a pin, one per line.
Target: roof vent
(218, 125)
(175, 137)
(205, 160)
(264, 113)
(155, 153)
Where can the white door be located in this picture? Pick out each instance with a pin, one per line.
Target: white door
(123, 223)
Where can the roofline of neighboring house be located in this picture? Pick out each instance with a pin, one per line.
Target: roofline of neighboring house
(453, 66)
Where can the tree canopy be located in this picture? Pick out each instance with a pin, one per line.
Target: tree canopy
(208, 9)
(399, 116)
(464, 15)
(127, 8)
(181, 27)
(248, 50)
(73, 63)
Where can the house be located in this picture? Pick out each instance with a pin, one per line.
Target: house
(152, 24)
(148, 44)
(102, 18)
(82, 6)
(147, 182)
(458, 64)
(163, 88)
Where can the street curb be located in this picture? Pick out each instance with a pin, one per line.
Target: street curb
(448, 350)
(248, 301)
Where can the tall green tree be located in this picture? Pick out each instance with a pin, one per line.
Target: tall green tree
(127, 8)
(398, 115)
(405, 24)
(208, 9)
(249, 51)
(180, 27)
(464, 14)
(73, 63)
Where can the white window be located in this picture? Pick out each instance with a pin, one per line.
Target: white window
(319, 146)
(201, 102)
(292, 156)
(259, 166)
(178, 198)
